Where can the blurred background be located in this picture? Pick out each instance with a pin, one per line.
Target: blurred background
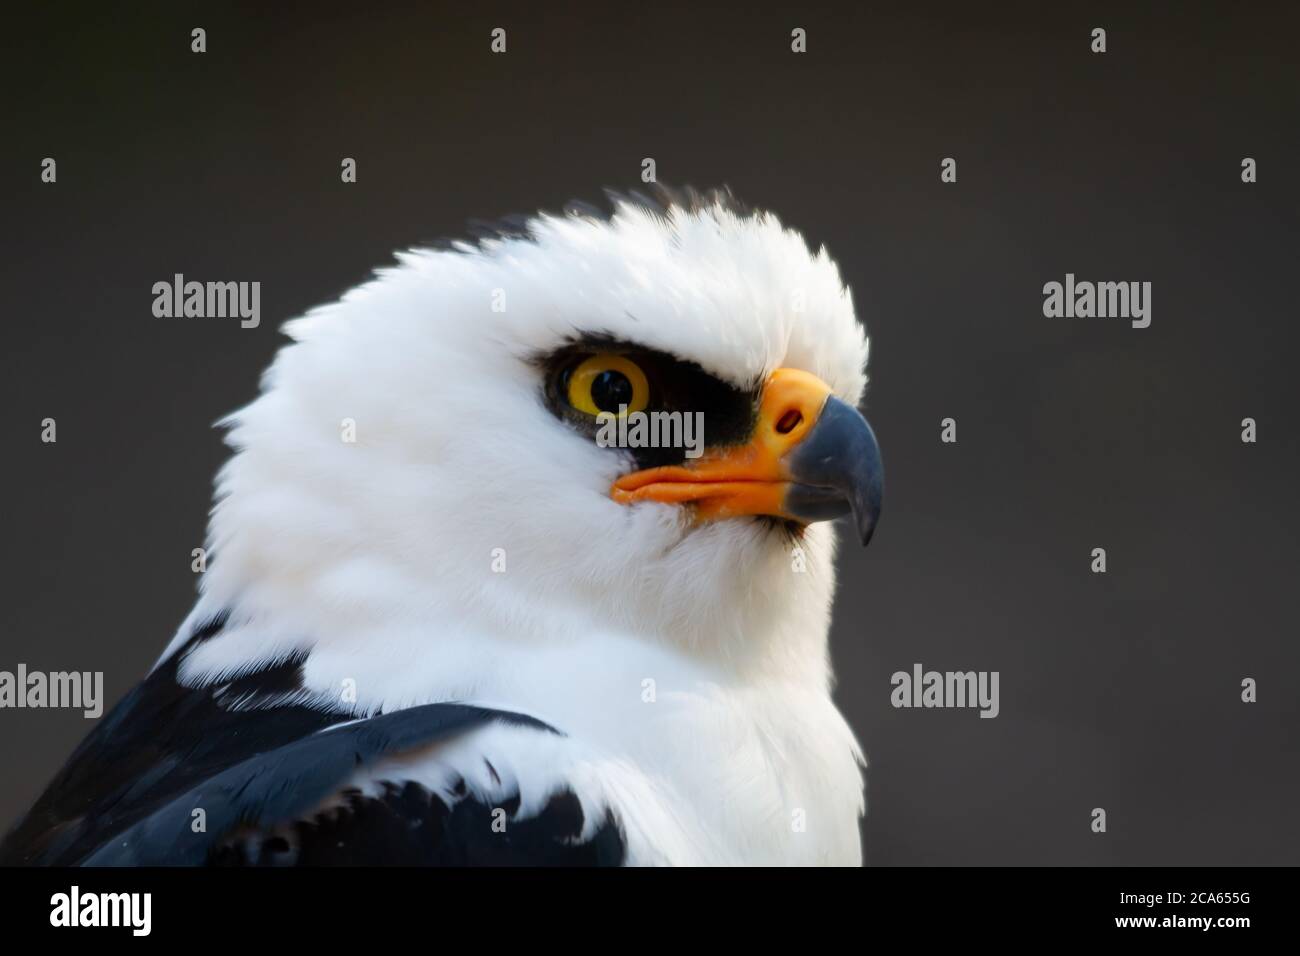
(1119, 691)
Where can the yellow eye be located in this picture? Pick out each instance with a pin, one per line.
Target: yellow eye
(608, 383)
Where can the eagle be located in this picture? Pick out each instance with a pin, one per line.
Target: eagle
(442, 624)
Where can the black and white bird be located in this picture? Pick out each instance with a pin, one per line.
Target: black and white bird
(442, 624)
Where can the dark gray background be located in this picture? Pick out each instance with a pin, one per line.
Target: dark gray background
(1118, 690)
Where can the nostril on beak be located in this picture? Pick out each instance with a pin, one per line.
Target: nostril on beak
(789, 421)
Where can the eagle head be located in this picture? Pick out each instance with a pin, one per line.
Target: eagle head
(455, 441)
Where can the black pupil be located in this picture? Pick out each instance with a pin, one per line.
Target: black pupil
(610, 389)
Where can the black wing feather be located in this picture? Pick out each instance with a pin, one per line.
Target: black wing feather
(407, 825)
(129, 793)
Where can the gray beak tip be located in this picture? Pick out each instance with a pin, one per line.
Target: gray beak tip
(840, 460)
(866, 506)
(865, 530)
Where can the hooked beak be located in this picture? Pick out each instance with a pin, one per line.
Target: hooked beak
(812, 457)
